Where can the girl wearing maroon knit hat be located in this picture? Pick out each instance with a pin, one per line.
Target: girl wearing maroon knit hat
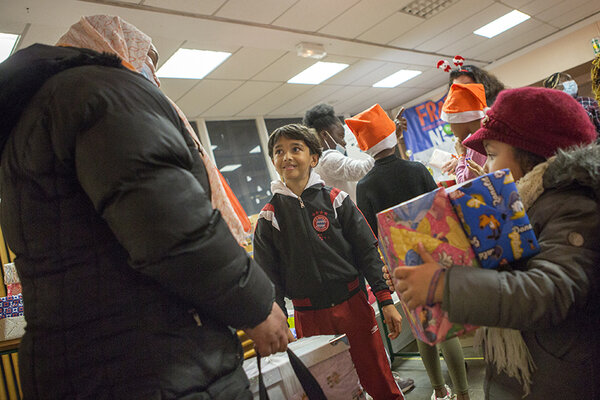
(542, 313)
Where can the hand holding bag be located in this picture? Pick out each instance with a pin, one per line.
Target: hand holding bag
(307, 380)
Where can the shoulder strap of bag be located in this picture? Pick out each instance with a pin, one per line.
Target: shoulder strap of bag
(307, 380)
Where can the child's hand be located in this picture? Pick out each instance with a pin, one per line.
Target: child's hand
(401, 124)
(388, 278)
(460, 149)
(475, 168)
(450, 166)
(412, 283)
(393, 320)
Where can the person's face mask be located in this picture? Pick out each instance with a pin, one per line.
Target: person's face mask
(147, 71)
(570, 87)
(338, 146)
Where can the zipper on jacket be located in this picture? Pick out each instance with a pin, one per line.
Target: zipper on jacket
(301, 202)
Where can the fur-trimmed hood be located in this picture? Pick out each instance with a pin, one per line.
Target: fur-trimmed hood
(578, 165)
(26, 71)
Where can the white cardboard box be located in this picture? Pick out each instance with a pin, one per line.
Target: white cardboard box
(329, 361)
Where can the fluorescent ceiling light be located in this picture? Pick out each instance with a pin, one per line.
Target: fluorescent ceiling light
(230, 167)
(318, 72)
(191, 64)
(255, 150)
(395, 79)
(502, 24)
(7, 44)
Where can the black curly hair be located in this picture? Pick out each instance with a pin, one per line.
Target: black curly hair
(491, 84)
(298, 132)
(320, 117)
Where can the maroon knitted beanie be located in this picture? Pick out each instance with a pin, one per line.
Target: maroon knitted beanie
(537, 120)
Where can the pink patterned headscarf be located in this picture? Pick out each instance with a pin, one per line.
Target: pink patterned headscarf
(105, 33)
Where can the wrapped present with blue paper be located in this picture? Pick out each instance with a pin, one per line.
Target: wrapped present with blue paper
(12, 321)
(494, 218)
(427, 219)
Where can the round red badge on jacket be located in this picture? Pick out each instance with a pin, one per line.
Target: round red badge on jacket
(320, 223)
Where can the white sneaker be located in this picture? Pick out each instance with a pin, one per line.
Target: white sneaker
(448, 395)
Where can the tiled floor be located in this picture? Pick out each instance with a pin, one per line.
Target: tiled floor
(412, 367)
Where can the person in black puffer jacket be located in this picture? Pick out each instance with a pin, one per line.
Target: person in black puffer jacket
(132, 282)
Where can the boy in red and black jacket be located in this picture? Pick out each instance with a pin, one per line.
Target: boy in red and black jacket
(312, 241)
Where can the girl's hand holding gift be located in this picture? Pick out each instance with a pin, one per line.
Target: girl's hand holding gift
(422, 284)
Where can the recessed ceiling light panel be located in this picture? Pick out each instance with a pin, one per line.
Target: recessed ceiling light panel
(397, 78)
(502, 24)
(318, 73)
(191, 64)
(7, 45)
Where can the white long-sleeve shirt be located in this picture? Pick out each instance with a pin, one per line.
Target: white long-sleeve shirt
(341, 171)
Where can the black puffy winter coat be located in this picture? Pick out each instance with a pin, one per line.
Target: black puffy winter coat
(131, 281)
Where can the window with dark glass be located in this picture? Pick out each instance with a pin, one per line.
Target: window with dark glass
(239, 157)
(274, 123)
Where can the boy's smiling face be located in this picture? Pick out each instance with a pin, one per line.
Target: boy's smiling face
(293, 161)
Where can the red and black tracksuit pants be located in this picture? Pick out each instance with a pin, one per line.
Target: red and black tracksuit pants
(356, 319)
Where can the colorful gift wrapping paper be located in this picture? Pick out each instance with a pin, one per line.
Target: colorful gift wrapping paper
(11, 306)
(494, 218)
(431, 220)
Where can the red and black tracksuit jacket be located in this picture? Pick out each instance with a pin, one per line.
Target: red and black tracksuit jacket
(313, 247)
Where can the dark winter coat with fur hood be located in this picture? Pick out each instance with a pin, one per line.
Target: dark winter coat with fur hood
(131, 280)
(552, 299)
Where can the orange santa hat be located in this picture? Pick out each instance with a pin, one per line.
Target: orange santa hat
(465, 103)
(373, 129)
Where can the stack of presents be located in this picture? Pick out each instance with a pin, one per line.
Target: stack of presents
(480, 223)
(12, 321)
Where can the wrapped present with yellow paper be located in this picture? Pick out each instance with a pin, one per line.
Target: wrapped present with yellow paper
(494, 219)
(427, 219)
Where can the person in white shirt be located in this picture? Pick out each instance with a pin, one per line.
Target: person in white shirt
(335, 167)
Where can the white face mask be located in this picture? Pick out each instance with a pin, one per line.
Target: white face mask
(148, 72)
(570, 87)
(338, 146)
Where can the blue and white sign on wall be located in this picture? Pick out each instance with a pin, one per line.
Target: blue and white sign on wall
(426, 132)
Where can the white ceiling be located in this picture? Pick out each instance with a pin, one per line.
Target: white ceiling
(370, 35)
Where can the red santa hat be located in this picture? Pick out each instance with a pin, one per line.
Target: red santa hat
(374, 130)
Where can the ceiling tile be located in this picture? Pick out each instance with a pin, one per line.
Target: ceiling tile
(517, 3)
(176, 88)
(354, 72)
(465, 28)
(284, 68)
(362, 17)
(518, 40)
(375, 76)
(306, 100)
(440, 23)
(273, 100)
(343, 95)
(245, 63)
(193, 6)
(311, 15)
(538, 7)
(429, 79)
(264, 11)
(38, 33)
(576, 13)
(204, 95)
(240, 98)
(391, 28)
(356, 104)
